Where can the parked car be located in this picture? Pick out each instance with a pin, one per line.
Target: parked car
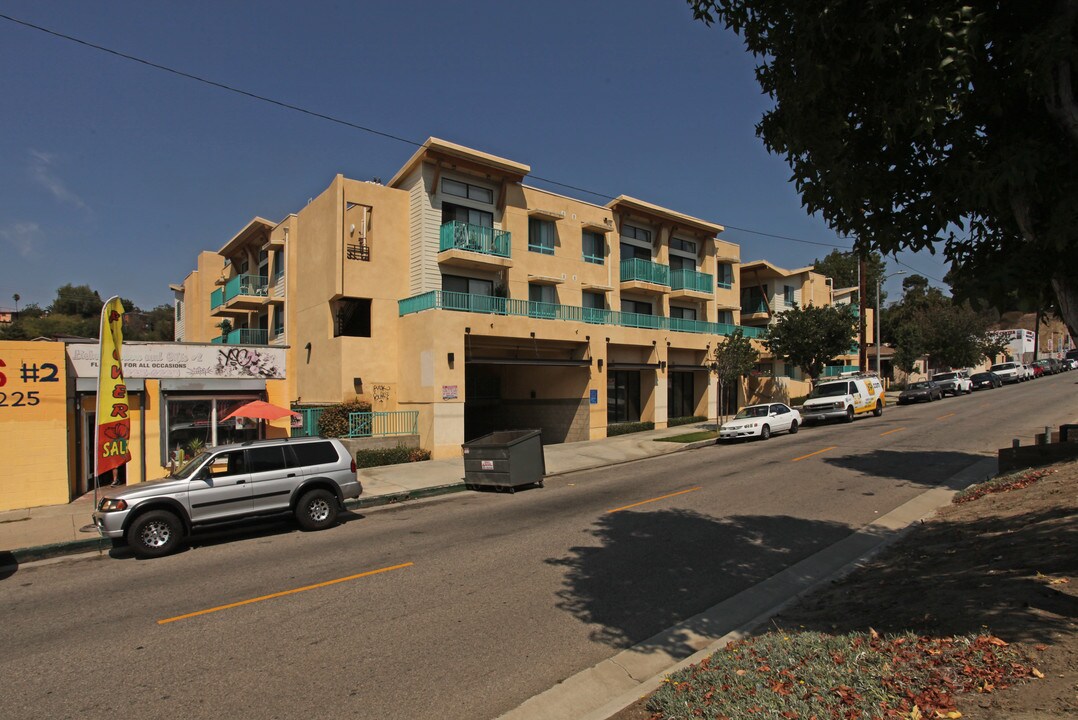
(761, 421)
(309, 477)
(985, 380)
(1008, 372)
(844, 399)
(1028, 372)
(1038, 371)
(1050, 366)
(954, 382)
(922, 391)
(1070, 363)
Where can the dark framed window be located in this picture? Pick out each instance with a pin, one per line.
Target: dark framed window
(471, 216)
(634, 252)
(725, 274)
(683, 245)
(623, 396)
(477, 193)
(265, 459)
(682, 312)
(681, 395)
(636, 306)
(678, 262)
(635, 233)
(594, 245)
(788, 295)
(541, 236)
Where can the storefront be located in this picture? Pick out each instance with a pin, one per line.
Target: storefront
(179, 395)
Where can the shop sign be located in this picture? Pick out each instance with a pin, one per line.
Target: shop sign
(173, 360)
(449, 392)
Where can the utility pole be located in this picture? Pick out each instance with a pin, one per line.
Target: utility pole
(862, 301)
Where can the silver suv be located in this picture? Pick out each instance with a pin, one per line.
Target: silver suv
(309, 477)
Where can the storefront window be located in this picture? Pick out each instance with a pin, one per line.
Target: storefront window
(189, 424)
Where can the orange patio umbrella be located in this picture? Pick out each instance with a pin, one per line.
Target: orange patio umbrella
(260, 410)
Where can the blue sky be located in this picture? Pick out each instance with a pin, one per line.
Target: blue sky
(115, 174)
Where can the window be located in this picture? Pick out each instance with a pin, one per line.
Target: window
(726, 316)
(594, 300)
(229, 463)
(542, 293)
(725, 274)
(179, 310)
(242, 267)
(635, 233)
(623, 396)
(684, 245)
(265, 459)
(189, 422)
(682, 312)
(353, 317)
(678, 262)
(541, 236)
(278, 322)
(788, 295)
(543, 299)
(471, 286)
(316, 453)
(594, 245)
(467, 190)
(636, 306)
(471, 216)
(634, 252)
(470, 294)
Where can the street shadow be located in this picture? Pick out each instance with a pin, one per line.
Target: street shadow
(947, 578)
(236, 531)
(648, 571)
(928, 468)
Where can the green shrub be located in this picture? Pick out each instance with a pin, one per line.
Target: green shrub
(334, 419)
(377, 457)
(674, 422)
(799, 400)
(626, 428)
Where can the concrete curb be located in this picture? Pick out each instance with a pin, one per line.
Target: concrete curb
(605, 689)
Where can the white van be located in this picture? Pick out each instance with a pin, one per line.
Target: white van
(844, 399)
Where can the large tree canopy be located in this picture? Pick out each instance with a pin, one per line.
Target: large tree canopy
(910, 125)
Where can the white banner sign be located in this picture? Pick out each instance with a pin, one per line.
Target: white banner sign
(173, 360)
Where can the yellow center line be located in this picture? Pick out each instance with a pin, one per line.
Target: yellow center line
(892, 431)
(663, 497)
(943, 417)
(814, 453)
(282, 594)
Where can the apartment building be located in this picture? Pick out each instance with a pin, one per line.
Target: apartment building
(462, 293)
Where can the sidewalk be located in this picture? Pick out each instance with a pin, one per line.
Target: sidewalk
(55, 530)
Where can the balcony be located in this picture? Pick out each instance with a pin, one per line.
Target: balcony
(753, 307)
(243, 336)
(240, 294)
(463, 302)
(689, 283)
(474, 246)
(645, 276)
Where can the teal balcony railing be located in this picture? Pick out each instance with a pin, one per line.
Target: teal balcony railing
(691, 280)
(251, 285)
(457, 235)
(645, 271)
(836, 370)
(464, 302)
(217, 298)
(243, 336)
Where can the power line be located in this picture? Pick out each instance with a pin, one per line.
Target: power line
(341, 121)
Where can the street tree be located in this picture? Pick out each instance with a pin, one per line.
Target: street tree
(912, 125)
(731, 361)
(811, 337)
(76, 312)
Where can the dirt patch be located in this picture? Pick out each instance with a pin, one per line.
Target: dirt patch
(1004, 563)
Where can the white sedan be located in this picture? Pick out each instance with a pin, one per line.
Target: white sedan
(761, 421)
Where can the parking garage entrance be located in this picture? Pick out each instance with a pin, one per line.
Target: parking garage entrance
(510, 393)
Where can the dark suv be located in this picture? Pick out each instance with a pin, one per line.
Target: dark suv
(309, 477)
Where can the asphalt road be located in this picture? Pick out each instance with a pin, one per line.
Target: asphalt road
(467, 605)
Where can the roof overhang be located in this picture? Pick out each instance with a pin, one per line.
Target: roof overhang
(640, 207)
(436, 150)
(251, 230)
